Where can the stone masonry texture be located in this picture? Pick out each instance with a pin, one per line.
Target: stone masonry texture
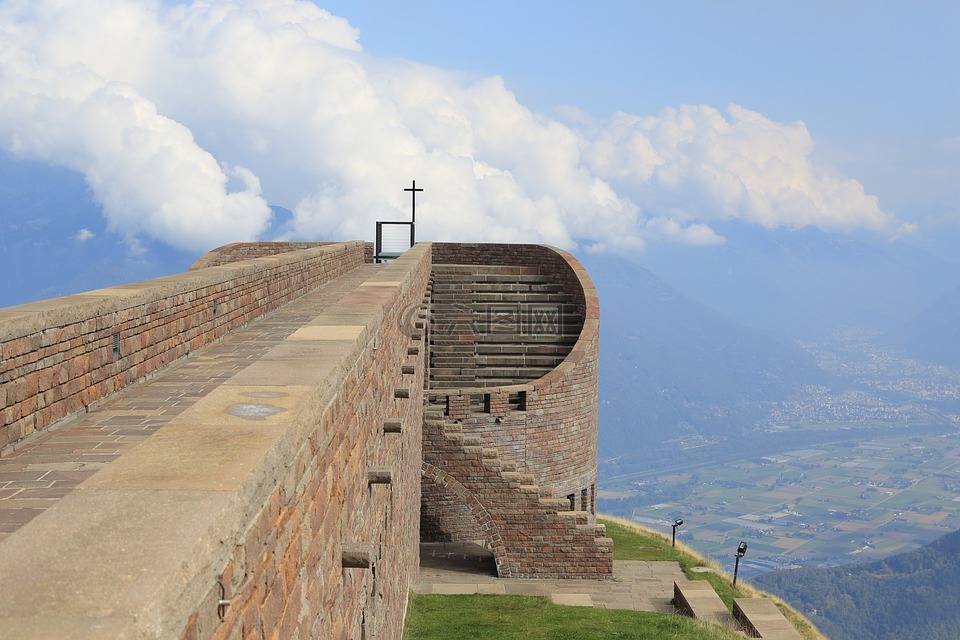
(250, 449)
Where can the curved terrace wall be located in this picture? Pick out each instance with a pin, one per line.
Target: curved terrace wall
(555, 437)
(59, 356)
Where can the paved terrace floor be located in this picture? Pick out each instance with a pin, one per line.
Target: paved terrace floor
(42, 471)
(463, 568)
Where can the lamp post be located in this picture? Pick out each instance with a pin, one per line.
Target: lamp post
(676, 523)
(741, 551)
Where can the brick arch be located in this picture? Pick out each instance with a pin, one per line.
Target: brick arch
(485, 523)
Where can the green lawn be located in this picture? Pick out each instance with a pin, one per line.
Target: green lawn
(485, 617)
(495, 617)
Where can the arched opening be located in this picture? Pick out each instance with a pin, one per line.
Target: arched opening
(453, 524)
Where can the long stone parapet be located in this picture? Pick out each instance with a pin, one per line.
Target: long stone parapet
(58, 357)
(263, 509)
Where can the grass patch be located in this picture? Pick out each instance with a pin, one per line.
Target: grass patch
(634, 542)
(631, 542)
(486, 617)
(498, 617)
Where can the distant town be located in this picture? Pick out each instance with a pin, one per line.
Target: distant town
(891, 486)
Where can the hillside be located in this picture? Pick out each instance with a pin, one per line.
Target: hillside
(910, 595)
(933, 335)
(674, 371)
(804, 283)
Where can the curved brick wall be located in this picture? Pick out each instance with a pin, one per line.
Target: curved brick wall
(59, 356)
(556, 437)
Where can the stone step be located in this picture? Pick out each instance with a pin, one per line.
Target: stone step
(580, 518)
(565, 309)
(510, 476)
(522, 292)
(518, 297)
(516, 360)
(453, 375)
(516, 287)
(451, 360)
(492, 463)
(523, 373)
(555, 504)
(548, 338)
(486, 383)
(697, 599)
(521, 349)
(479, 273)
(761, 618)
(593, 530)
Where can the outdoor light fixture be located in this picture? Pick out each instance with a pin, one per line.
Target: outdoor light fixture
(676, 523)
(741, 551)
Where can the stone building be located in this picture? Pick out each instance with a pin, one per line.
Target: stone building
(255, 448)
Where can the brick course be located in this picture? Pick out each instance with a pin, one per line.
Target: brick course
(60, 356)
(521, 478)
(273, 532)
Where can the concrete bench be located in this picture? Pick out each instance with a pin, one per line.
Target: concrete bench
(697, 599)
(760, 618)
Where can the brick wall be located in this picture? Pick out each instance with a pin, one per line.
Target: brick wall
(239, 251)
(149, 545)
(556, 437)
(516, 466)
(476, 496)
(59, 356)
(285, 578)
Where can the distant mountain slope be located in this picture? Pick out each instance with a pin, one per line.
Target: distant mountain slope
(910, 595)
(672, 367)
(934, 334)
(803, 283)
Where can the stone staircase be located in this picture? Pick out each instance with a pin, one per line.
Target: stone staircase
(531, 533)
(496, 326)
(752, 617)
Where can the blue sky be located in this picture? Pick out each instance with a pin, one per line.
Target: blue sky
(877, 83)
(602, 126)
(845, 68)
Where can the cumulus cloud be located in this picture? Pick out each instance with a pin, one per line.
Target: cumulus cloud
(187, 119)
(83, 235)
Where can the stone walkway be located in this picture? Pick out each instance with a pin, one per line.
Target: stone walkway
(639, 585)
(48, 467)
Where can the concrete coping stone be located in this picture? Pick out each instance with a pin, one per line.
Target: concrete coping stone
(33, 317)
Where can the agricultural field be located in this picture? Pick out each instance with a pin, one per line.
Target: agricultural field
(828, 505)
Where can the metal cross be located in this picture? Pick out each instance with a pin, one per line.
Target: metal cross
(413, 195)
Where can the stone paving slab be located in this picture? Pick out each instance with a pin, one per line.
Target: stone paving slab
(42, 471)
(572, 599)
(637, 585)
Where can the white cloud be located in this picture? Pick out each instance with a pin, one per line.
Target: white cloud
(83, 235)
(186, 119)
